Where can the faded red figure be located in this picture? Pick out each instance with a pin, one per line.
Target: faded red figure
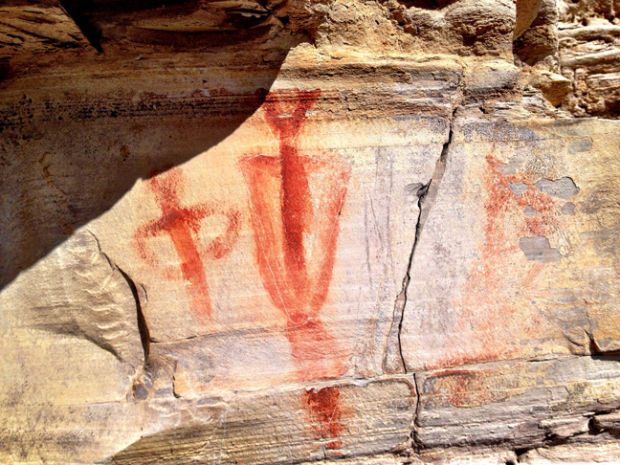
(295, 203)
(182, 224)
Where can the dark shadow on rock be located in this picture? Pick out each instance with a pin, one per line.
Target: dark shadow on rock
(75, 137)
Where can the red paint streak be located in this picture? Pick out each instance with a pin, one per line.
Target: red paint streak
(182, 224)
(533, 273)
(295, 198)
(314, 351)
(325, 414)
(502, 199)
(460, 388)
(445, 373)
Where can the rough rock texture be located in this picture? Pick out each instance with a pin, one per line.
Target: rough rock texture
(357, 232)
(572, 49)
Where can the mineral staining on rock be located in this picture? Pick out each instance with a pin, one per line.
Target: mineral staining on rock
(265, 232)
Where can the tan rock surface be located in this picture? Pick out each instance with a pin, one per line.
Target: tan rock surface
(309, 232)
(507, 272)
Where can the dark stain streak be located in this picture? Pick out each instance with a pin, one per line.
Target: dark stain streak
(38, 20)
(26, 32)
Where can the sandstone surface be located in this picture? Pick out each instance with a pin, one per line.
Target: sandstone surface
(310, 231)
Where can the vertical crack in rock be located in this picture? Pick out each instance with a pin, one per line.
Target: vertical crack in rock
(143, 376)
(417, 443)
(143, 329)
(426, 196)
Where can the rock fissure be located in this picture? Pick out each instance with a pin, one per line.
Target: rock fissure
(140, 321)
(143, 329)
(141, 324)
(416, 441)
(426, 195)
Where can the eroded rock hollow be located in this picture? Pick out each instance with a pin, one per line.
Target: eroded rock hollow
(300, 231)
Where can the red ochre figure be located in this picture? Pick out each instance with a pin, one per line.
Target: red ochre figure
(182, 224)
(295, 204)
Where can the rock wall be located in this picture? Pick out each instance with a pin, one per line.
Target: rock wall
(380, 232)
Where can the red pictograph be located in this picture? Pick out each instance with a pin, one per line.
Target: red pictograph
(182, 224)
(295, 205)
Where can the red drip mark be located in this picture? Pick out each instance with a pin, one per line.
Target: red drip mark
(325, 415)
(183, 226)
